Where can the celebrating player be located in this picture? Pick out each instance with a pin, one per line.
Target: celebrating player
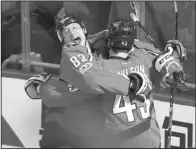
(76, 112)
(92, 78)
(131, 120)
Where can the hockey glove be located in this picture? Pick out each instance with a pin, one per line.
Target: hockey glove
(32, 87)
(140, 86)
(171, 70)
(175, 77)
(178, 50)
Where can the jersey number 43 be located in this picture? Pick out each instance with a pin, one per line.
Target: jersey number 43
(129, 107)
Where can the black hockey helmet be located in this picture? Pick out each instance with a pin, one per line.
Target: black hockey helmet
(121, 35)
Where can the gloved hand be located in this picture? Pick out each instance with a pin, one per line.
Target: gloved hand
(32, 87)
(140, 86)
(175, 77)
(170, 66)
(179, 52)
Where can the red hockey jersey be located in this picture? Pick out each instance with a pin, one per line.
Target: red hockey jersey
(81, 69)
(130, 122)
(95, 101)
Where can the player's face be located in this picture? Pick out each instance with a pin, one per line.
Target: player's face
(77, 33)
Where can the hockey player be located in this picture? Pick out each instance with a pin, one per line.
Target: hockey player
(144, 105)
(74, 116)
(130, 120)
(81, 69)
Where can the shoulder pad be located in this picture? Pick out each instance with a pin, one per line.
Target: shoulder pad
(147, 46)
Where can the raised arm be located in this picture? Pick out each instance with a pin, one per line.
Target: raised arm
(167, 63)
(80, 69)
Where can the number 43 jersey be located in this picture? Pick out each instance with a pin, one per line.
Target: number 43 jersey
(130, 122)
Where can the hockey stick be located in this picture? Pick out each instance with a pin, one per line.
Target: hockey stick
(176, 19)
(136, 20)
(172, 88)
(133, 6)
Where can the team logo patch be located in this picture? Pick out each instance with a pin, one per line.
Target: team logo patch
(72, 88)
(85, 67)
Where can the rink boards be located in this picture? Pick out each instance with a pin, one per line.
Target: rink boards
(21, 118)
